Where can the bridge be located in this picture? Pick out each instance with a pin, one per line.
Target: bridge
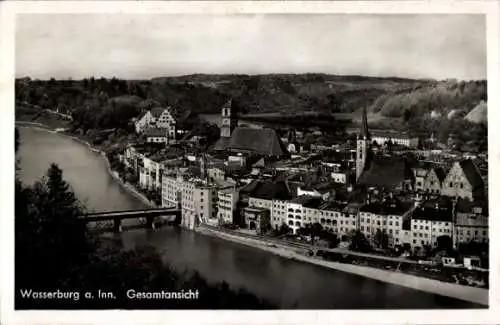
(117, 216)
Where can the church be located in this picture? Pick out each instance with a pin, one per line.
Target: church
(379, 171)
(244, 140)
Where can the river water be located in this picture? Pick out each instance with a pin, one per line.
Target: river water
(289, 284)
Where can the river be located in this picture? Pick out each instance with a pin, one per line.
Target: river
(289, 284)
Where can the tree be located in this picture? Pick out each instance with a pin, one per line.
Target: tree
(359, 242)
(381, 239)
(444, 242)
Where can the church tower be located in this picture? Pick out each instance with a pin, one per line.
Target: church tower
(229, 120)
(362, 146)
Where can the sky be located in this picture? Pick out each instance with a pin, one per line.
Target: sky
(138, 46)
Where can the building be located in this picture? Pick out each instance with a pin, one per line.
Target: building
(431, 221)
(198, 202)
(253, 141)
(362, 146)
(229, 120)
(471, 222)
(433, 180)
(403, 139)
(156, 135)
(386, 218)
(257, 219)
(149, 174)
(389, 173)
(227, 206)
(295, 212)
(463, 180)
(270, 195)
(171, 193)
(157, 118)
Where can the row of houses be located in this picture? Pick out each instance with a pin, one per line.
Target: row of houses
(416, 224)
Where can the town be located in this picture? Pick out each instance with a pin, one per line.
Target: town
(383, 193)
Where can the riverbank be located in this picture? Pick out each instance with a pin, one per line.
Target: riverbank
(471, 294)
(127, 186)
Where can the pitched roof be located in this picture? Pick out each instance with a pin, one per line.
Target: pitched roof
(433, 214)
(364, 125)
(440, 173)
(157, 111)
(261, 141)
(155, 132)
(471, 173)
(387, 172)
(260, 163)
(269, 190)
(467, 206)
(386, 208)
(221, 144)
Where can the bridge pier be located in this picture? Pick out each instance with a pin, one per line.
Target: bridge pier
(150, 222)
(117, 225)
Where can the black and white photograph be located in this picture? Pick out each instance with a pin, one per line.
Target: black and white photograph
(243, 160)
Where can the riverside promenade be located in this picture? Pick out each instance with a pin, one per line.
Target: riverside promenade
(467, 293)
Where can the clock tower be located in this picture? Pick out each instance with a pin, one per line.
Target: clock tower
(229, 120)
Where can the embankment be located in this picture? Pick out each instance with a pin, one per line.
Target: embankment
(471, 294)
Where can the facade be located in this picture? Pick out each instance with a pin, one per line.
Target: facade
(433, 181)
(156, 135)
(150, 174)
(257, 219)
(278, 213)
(295, 215)
(463, 180)
(227, 202)
(420, 176)
(471, 222)
(339, 177)
(430, 222)
(382, 138)
(171, 191)
(386, 218)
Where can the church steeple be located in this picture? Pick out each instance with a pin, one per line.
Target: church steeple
(362, 146)
(364, 126)
(229, 119)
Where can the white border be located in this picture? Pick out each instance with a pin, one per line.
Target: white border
(10, 8)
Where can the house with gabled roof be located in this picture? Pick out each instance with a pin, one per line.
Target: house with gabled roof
(157, 117)
(463, 180)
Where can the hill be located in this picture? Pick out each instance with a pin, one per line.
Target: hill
(395, 103)
(478, 114)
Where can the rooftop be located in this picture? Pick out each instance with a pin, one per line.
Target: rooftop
(387, 172)
(261, 141)
(389, 207)
(432, 214)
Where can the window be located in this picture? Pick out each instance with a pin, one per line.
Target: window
(415, 227)
(451, 184)
(414, 241)
(397, 223)
(421, 227)
(390, 223)
(461, 185)
(397, 232)
(354, 223)
(426, 227)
